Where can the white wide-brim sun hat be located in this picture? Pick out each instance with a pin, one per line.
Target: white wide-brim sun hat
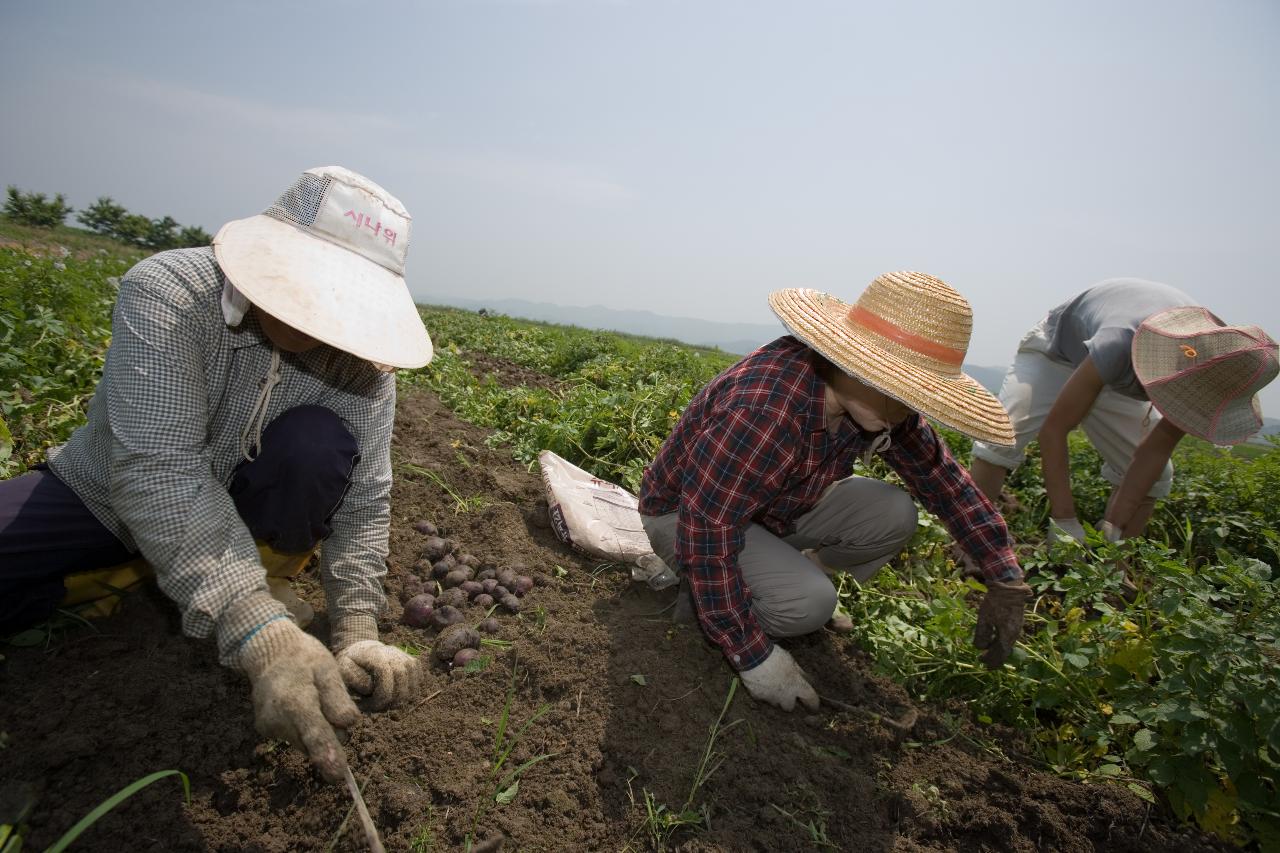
(906, 336)
(328, 260)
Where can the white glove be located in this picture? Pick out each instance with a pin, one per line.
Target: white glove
(371, 667)
(780, 681)
(1110, 531)
(298, 694)
(1059, 527)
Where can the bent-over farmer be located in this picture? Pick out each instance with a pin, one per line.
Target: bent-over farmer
(247, 394)
(751, 497)
(1114, 360)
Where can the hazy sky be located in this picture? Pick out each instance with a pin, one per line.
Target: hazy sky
(689, 157)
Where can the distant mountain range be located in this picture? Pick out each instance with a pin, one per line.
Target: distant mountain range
(737, 338)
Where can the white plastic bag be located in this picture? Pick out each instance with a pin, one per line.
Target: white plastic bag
(600, 518)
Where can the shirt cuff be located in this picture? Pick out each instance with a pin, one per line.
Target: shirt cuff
(352, 628)
(240, 620)
(1003, 567)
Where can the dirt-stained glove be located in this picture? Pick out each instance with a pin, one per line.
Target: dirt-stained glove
(298, 694)
(1000, 620)
(372, 668)
(780, 681)
(1109, 531)
(1067, 527)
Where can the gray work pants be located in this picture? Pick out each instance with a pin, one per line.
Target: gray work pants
(857, 526)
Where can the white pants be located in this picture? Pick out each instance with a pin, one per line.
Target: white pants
(1115, 425)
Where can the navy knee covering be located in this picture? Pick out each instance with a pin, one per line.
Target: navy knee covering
(289, 493)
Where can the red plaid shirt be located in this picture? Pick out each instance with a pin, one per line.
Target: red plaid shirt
(753, 447)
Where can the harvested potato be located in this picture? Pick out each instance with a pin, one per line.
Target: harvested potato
(434, 548)
(464, 657)
(454, 639)
(454, 597)
(456, 577)
(446, 615)
(489, 585)
(523, 584)
(441, 568)
(510, 602)
(487, 574)
(490, 625)
(412, 588)
(507, 578)
(425, 527)
(469, 560)
(483, 600)
(419, 611)
(471, 588)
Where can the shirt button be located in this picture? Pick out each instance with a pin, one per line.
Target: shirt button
(737, 658)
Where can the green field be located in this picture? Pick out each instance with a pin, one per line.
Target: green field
(1175, 695)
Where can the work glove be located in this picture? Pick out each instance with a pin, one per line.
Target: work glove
(1109, 531)
(298, 694)
(373, 668)
(1067, 527)
(780, 681)
(1000, 620)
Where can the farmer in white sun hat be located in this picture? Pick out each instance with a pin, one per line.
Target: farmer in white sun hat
(1114, 360)
(751, 497)
(247, 395)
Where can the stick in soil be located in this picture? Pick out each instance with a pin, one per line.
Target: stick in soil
(366, 822)
(904, 724)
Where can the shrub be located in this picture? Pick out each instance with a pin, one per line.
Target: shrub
(36, 209)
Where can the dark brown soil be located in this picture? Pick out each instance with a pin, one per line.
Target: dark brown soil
(629, 696)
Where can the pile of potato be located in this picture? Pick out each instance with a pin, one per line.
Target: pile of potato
(447, 582)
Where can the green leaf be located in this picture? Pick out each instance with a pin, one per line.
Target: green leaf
(1076, 659)
(1123, 720)
(1144, 739)
(111, 802)
(639, 679)
(507, 794)
(29, 637)
(6, 440)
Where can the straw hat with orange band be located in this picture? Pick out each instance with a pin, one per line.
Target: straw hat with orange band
(906, 336)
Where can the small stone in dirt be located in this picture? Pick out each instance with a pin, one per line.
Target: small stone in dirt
(489, 845)
(425, 527)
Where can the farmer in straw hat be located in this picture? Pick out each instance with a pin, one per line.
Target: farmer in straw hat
(1114, 360)
(751, 495)
(247, 393)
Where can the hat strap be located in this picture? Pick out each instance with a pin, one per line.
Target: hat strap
(860, 316)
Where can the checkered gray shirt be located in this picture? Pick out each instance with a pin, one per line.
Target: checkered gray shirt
(163, 438)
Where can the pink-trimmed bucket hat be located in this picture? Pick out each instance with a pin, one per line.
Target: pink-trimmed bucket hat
(1203, 375)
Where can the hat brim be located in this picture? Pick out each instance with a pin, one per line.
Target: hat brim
(955, 400)
(323, 290)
